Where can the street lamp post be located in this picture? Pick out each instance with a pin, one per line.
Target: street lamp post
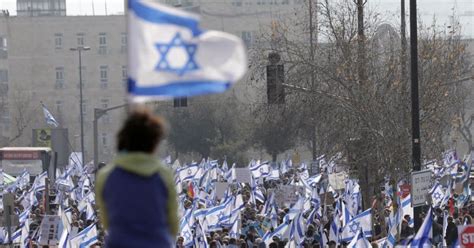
(415, 107)
(79, 49)
(97, 114)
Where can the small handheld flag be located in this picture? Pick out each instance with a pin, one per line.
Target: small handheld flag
(170, 56)
(49, 117)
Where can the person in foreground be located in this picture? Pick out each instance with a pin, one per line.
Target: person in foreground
(135, 193)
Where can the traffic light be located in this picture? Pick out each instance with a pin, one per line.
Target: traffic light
(275, 80)
(180, 102)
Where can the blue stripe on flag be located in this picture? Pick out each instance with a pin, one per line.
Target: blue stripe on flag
(158, 16)
(179, 89)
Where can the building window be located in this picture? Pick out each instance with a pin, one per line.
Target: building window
(80, 39)
(104, 139)
(3, 76)
(59, 78)
(104, 103)
(84, 109)
(123, 48)
(102, 43)
(247, 38)
(237, 3)
(58, 41)
(124, 75)
(104, 76)
(3, 48)
(59, 106)
(3, 90)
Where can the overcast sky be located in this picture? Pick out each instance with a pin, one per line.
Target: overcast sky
(390, 9)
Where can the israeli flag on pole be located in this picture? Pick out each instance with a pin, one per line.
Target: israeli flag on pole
(408, 209)
(49, 117)
(170, 56)
(363, 220)
(425, 234)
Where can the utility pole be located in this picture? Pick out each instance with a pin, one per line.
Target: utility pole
(415, 106)
(97, 114)
(311, 53)
(403, 41)
(79, 49)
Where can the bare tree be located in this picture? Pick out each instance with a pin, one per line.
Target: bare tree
(360, 80)
(22, 112)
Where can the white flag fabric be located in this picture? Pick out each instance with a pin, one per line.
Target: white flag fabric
(170, 56)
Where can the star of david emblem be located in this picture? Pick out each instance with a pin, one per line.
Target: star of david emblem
(221, 214)
(354, 227)
(261, 170)
(177, 56)
(187, 235)
(190, 172)
(437, 195)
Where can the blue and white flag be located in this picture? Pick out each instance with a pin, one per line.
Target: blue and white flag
(353, 197)
(395, 220)
(363, 220)
(297, 231)
(408, 209)
(274, 175)
(260, 170)
(86, 238)
(334, 228)
(187, 173)
(359, 241)
(437, 195)
(200, 237)
(170, 56)
(50, 120)
(425, 234)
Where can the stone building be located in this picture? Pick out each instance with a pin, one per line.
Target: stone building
(37, 65)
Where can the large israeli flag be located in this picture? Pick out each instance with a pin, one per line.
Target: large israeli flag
(170, 56)
(424, 235)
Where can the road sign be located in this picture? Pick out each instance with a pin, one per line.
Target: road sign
(421, 183)
(466, 236)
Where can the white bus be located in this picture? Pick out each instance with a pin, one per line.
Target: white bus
(36, 160)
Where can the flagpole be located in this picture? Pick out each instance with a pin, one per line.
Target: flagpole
(415, 108)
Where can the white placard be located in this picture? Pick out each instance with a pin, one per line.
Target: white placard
(242, 175)
(336, 180)
(421, 184)
(288, 194)
(220, 189)
(49, 233)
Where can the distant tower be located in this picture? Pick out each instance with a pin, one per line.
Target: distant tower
(41, 7)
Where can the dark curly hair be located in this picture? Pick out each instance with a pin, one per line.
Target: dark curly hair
(141, 132)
